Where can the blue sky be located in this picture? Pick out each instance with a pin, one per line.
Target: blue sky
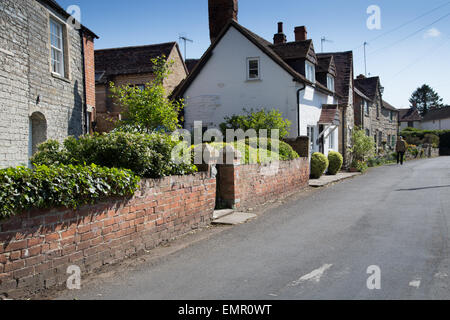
(406, 58)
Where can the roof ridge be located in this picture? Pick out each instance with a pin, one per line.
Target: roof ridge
(137, 47)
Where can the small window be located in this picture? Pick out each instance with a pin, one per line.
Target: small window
(253, 72)
(330, 82)
(391, 116)
(393, 140)
(57, 47)
(310, 72)
(366, 107)
(368, 132)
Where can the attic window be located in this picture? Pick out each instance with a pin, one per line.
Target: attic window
(310, 72)
(330, 82)
(253, 72)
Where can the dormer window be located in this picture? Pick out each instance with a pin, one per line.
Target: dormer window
(253, 70)
(330, 82)
(310, 72)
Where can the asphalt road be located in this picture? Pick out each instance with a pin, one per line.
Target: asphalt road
(319, 247)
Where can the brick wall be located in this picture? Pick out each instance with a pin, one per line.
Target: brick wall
(245, 186)
(37, 247)
(27, 85)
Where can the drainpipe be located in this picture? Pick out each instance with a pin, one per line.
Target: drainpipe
(298, 106)
(84, 107)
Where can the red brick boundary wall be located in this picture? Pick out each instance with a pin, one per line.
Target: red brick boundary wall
(38, 246)
(244, 186)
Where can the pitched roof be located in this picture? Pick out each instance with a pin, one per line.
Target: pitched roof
(368, 86)
(326, 64)
(262, 44)
(130, 60)
(191, 63)
(388, 106)
(55, 6)
(294, 50)
(362, 95)
(329, 115)
(407, 115)
(344, 72)
(437, 114)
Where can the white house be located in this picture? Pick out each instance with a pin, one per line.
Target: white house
(242, 70)
(436, 119)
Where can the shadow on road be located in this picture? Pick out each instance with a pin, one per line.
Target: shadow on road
(423, 188)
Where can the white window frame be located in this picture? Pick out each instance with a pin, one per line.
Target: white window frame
(61, 37)
(310, 68)
(248, 68)
(330, 82)
(332, 139)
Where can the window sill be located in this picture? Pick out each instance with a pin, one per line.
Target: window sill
(59, 77)
(253, 80)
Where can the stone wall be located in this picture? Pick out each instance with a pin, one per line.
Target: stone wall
(38, 246)
(245, 186)
(27, 85)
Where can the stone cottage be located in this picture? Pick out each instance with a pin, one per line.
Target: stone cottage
(131, 66)
(375, 116)
(47, 77)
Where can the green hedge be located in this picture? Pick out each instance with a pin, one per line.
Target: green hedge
(438, 138)
(55, 186)
(319, 163)
(147, 155)
(336, 161)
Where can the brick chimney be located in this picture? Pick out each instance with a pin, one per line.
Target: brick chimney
(300, 33)
(361, 76)
(220, 13)
(279, 37)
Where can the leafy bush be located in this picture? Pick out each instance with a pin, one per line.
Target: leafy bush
(69, 186)
(363, 146)
(319, 163)
(272, 120)
(147, 155)
(336, 161)
(284, 150)
(360, 165)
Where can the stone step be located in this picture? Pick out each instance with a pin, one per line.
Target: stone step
(222, 213)
(235, 218)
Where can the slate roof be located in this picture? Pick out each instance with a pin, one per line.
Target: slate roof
(191, 63)
(362, 95)
(130, 60)
(368, 86)
(265, 46)
(293, 50)
(344, 72)
(390, 107)
(407, 115)
(437, 114)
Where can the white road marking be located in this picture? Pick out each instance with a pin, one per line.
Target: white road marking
(415, 283)
(312, 276)
(273, 295)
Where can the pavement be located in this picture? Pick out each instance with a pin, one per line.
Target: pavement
(326, 180)
(382, 235)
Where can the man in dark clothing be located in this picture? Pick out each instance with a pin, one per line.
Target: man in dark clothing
(400, 148)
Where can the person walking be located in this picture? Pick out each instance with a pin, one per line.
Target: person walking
(400, 148)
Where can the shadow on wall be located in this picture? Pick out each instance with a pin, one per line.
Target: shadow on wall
(75, 127)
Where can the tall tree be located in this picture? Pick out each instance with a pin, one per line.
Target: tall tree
(425, 98)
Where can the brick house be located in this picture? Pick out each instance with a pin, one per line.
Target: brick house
(375, 116)
(343, 62)
(130, 66)
(46, 77)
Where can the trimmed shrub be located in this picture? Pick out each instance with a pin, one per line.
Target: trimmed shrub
(54, 186)
(284, 150)
(147, 155)
(319, 163)
(336, 161)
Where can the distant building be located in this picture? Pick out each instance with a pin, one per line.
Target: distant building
(47, 78)
(375, 116)
(130, 66)
(409, 118)
(436, 119)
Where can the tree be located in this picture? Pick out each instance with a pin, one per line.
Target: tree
(258, 120)
(148, 109)
(425, 98)
(363, 145)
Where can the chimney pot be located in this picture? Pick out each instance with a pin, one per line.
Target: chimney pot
(279, 37)
(300, 33)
